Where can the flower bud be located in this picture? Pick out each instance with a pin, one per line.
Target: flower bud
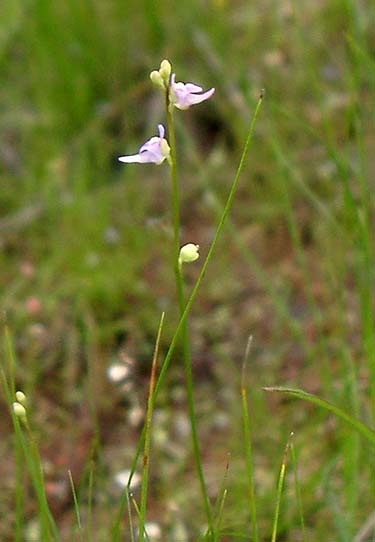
(165, 70)
(21, 398)
(157, 79)
(19, 410)
(162, 77)
(189, 253)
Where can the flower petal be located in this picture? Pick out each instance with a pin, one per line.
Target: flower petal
(183, 95)
(134, 158)
(154, 141)
(154, 156)
(191, 87)
(194, 99)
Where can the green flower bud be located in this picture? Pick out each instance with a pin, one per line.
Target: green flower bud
(165, 71)
(188, 253)
(157, 79)
(19, 410)
(21, 398)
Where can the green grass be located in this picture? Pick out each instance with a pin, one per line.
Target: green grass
(91, 240)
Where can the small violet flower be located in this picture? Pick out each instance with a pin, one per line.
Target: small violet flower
(154, 151)
(183, 95)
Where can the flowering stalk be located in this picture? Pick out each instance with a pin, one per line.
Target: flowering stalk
(220, 226)
(181, 302)
(156, 150)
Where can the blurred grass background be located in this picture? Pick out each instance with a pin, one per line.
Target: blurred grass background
(86, 243)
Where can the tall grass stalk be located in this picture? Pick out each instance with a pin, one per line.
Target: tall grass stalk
(138, 514)
(219, 520)
(116, 527)
(248, 447)
(90, 499)
(147, 444)
(76, 505)
(218, 507)
(280, 485)
(297, 487)
(356, 76)
(86, 487)
(130, 516)
(145, 441)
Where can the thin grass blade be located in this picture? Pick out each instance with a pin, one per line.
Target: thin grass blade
(363, 429)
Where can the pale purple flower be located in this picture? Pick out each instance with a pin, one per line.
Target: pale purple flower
(183, 95)
(154, 151)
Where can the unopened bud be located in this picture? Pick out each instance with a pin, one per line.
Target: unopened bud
(189, 253)
(19, 410)
(21, 398)
(157, 79)
(165, 70)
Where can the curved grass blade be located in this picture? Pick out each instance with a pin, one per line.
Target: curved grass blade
(362, 428)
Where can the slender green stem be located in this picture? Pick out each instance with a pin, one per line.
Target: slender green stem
(175, 191)
(181, 302)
